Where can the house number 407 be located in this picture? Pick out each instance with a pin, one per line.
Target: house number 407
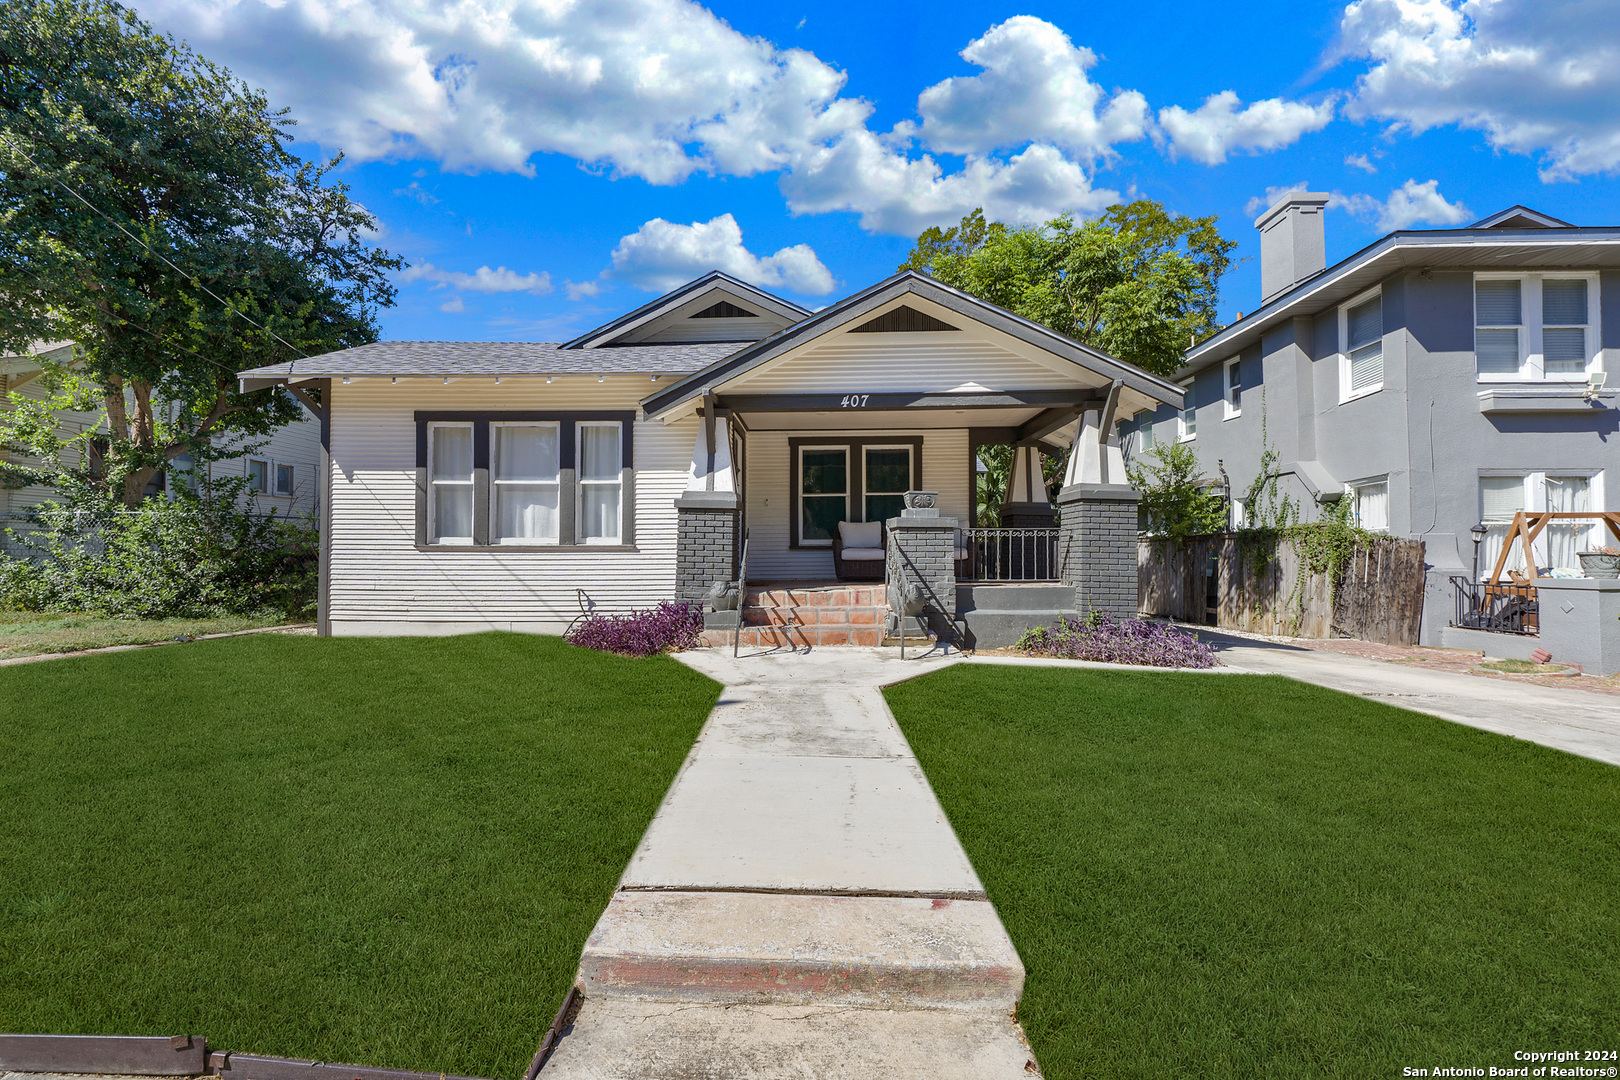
(854, 401)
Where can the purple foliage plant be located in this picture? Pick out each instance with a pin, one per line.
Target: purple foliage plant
(1131, 641)
(669, 627)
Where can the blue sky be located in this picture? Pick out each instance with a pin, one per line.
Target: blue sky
(545, 165)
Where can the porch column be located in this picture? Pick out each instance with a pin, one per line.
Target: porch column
(706, 513)
(1097, 538)
(922, 554)
(1026, 505)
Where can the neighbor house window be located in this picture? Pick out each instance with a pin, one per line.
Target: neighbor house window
(823, 492)
(450, 483)
(1568, 495)
(527, 484)
(601, 494)
(1361, 330)
(1233, 375)
(258, 474)
(525, 479)
(1187, 419)
(1370, 504)
(1144, 439)
(1500, 497)
(1535, 326)
(284, 479)
(849, 480)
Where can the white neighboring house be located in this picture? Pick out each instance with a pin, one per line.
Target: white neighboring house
(485, 485)
(285, 468)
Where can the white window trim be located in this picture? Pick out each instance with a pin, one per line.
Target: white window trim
(495, 484)
(1353, 488)
(1530, 347)
(269, 475)
(433, 486)
(1345, 393)
(798, 478)
(275, 479)
(1535, 498)
(1184, 431)
(1228, 381)
(581, 483)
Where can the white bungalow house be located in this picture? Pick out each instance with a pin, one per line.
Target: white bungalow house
(479, 485)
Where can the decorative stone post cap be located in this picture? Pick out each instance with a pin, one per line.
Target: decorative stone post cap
(921, 504)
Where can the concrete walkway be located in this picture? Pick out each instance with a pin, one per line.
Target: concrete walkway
(1584, 724)
(799, 906)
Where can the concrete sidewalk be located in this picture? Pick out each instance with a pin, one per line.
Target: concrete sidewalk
(1580, 723)
(799, 906)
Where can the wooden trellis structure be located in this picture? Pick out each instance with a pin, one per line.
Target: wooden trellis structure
(1527, 525)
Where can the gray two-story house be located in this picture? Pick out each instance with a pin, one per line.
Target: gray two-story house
(1440, 379)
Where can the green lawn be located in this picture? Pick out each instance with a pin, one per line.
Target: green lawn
(377, 851)
(1243, 876)
(28, 633)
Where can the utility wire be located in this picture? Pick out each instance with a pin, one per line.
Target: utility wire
(159, 255)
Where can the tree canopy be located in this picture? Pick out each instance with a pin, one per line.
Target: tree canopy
(151, 212)
(1137, 282)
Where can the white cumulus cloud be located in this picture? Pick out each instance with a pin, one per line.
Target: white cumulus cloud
(1410, 204)
(1538, 77)
(484, 279)
(1034, 89)
(1219, 126)
(662, 255)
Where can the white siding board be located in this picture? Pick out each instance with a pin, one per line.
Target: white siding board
(920, 362)
(769, 479)
(379, 577)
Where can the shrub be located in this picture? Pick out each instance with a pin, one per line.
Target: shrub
(1133, 641)
(669, 627)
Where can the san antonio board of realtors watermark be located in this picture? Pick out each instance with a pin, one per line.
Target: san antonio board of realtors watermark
(1545, 1063)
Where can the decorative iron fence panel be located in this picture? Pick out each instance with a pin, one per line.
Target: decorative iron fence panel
(1010, 555)
(1501, 608)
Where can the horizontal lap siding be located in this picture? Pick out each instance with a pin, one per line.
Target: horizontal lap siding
(919, 362)
(944, 465)
(378, 574)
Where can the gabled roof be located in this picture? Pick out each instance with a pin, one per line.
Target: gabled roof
(651, 310)
(854, 310)
(1506, 245)
(403, 359)
(1520, 217)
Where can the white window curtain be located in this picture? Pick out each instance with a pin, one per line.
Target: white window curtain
(450, 483)
(1568, 495)
(1500, 497)
(527, 484)
(1364, 339)
(1498, 315)
(600, 484)
(1372, 506)
(1234, 388)
(1563, 326)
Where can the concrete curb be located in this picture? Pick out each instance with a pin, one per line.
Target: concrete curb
(34, 658)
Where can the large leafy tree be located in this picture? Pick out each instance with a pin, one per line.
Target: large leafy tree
(1137, 282)
(151, 212)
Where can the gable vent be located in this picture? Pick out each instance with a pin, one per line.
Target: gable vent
(902, 320)
(724, 310)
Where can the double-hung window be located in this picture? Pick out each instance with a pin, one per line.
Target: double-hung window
(601, 487)
(527, 483)
(450, 484)
(284, 479)
(1532, 327)
(1502, 495)
(1370, 503)
(823, 492)
(1233, 376)
(1187, 418)
(1361, 331)
(258, 474)
(857, 479)
(887, 477)
(521, 479)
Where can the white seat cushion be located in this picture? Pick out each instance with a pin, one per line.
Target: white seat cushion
(862, 554)
(961, 553)
(860, 534)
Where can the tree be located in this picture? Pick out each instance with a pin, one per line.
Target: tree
(151, 212)
(1137, 283)
(1175, 501)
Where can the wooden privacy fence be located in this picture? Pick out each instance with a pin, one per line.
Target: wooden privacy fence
(1218, 581)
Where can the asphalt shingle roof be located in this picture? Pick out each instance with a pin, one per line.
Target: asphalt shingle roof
(450, 358)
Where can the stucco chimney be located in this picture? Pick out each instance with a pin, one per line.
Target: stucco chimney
(1292, 247)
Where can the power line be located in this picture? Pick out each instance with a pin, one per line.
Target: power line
(165, 259)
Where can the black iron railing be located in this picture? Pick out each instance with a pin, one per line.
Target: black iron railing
(1501, 608)
(1009, 555)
